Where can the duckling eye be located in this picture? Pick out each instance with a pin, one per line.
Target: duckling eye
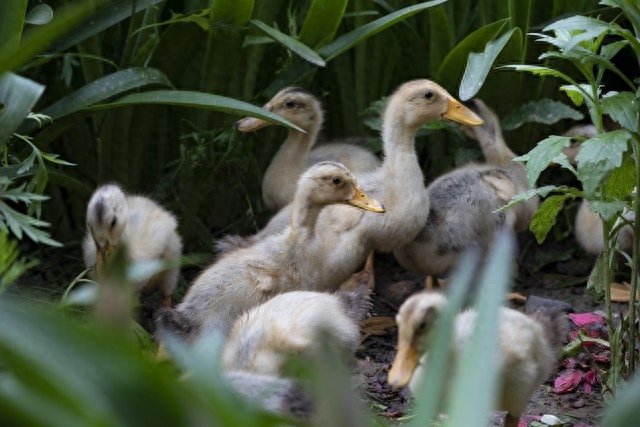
(422, 326)
(289, 103)
(114, 222)
(428, 94)
(336, 181)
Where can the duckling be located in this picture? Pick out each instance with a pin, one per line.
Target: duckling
(527, 352)
(148, 230)
(460, 212)
(293, 324)
(275, 394)
(291, 260)
(348, 236)
(295, 155)
(588, 224)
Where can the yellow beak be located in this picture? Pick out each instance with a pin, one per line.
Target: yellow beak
(404, 364)
(361, 200)
(250, 124)
(461, 114)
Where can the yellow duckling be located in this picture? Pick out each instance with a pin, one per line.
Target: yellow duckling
(292, 260)
(461, 204)
(294, 324)
(527, 352)
(348, 236)
(295, 155)
(148, 230)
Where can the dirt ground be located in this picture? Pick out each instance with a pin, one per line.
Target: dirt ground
(555, 271)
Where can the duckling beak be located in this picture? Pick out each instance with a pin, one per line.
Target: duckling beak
(404, 364)
(461, 114)
(361, 200)
(250, 124)
(102, 255)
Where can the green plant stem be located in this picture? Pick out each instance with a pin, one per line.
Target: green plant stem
(635, 258)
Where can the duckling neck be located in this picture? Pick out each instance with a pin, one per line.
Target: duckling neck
(281, 177)
(493, 145)
(304, 219)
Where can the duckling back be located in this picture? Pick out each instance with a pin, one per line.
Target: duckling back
(290, 324)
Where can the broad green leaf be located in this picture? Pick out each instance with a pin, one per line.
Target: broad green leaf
(41, 14)
(299, 48)
(539, 71)
(322, 21)
(100, 20)
(622, 180)
(102, 89)
(232, 12)
(185, 98)
(545, 111)
(577, 23)
(18, 95)
(599, 156)
(607, 210)
(542, 155)
(11, 22)
(575, 95)
(474, 391)
(479, 64)
(14, 56)
(623, 410)
(545, 217)
(452, 67)
(624, 108)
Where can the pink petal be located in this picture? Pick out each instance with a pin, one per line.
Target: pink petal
(567, 381)
(586, 388)
(603, 357)
(590, 376)
(570, 362)
(582, 319)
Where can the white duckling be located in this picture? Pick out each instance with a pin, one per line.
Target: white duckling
(294, 324)
(291, 260)
(148, 230)
(349, 236)
(527, 352)
(462, 204)
(295, 155)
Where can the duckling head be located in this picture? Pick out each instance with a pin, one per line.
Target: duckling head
(106, 220)
(420, 101)
(294, 104)
(331, 182)
(415, 321)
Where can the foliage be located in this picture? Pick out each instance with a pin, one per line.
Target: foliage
(590, 45)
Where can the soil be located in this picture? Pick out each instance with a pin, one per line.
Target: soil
(556, 270)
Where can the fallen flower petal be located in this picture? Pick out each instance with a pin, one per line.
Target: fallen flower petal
(582, 319)
(567, 381)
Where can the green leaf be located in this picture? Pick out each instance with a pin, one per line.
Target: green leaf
(623, 411)
(624, 108)
(622, 180)
(102, 89)
(539, 71)
(18, 95)
(598, 277)
(599, 156)
(541, 192)
(577, 23)
(14, 56)
(299, 48)
(545, 217)
(452, 67)
(322, 21)
(607, 210)
(41, 14)
(479, 64)
(575, 95)
(542, 155)
(185, 98)
(545, 111)
(11, 22)
(100, 20)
